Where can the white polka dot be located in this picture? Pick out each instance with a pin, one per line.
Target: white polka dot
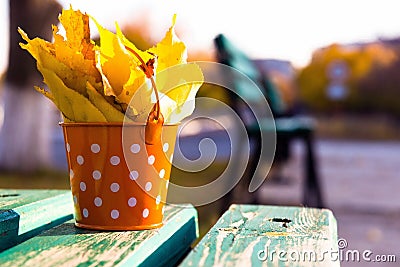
(158, 199)
(132, 202)
(114, 187)
(96, 175)
(75, 200)
(162, 173)
(151, 160)
(148, 186)
(165, 147)
(114, 160)
(80, 160)
(98, 202)
(68, 147)
(171, 158)
(85, 213)
(135, 148)
(133, 175)
(114, 214)
(71, 173)
(145, 213)
(82, 186)
(166, 184)
(163, 210)
(95, 148)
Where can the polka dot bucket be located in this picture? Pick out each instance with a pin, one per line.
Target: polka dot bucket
(117, 181)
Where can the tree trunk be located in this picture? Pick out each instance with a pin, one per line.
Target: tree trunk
(25, 135)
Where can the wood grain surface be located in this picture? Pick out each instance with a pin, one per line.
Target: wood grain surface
(66, 245)
(25, 213)
(250, 235)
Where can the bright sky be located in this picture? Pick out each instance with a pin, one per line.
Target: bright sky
(282, 29)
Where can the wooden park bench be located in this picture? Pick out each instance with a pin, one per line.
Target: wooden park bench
(36, 230)
(288, 126)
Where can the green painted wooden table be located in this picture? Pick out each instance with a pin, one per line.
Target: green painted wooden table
(246, 235)
(66, 245)
(25, 213)
(250, 235)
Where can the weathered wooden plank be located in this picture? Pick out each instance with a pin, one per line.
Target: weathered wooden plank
(25, 213)
(66, 245)
(249, 235)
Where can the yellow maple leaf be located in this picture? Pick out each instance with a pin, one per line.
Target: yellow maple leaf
(180, 83)
(76, 61)
(109, 111)
(45, 55)
(145, 55)
(77, 50)
(170, 50)
(177, 82)
(77, 31)
(71, 58)
(121, 75)
(105, 82)
(74, 106)
(44, 92)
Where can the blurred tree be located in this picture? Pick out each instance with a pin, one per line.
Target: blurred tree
(358, 61)
(381, 89)
(25, 134)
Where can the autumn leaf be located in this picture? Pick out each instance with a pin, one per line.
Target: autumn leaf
(177, 82)
(44, 54)
(145, 56)
(77, 31)
(44, 92)
(120, 73)
(171, 50)
(109, 111)
(77, 50)
(114, 80)
(73, 61)
(74, 106)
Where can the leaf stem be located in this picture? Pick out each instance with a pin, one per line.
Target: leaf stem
(149, 75)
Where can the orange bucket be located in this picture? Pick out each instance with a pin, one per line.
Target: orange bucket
(117, 181)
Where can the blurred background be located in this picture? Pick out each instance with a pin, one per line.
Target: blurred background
(336, 61)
